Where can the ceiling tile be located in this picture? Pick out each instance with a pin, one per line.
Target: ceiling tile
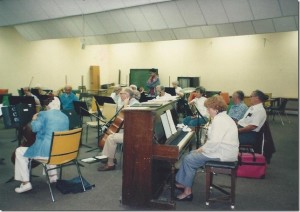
(90, 6)
(191, 12)
(108, 22)
(263, 9)
(137, 19)
(285, 24)
(153, 17)
(171, 14)
(132, 37)
(195, 32)
(144, 36)
(181, 33)
(51, 9)
(155, 35)
(210, 31)
(111, 4)
(289, 7)
(167, 34)
(68, 7)
(122, 20)
(263, 26)
(95, 25)
(226, 29)
(213, 11)
(244, 28)
(238, 11)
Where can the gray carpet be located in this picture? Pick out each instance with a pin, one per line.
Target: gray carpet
(279, 191)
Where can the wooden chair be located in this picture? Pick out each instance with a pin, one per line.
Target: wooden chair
(64, 152)
(225, 96)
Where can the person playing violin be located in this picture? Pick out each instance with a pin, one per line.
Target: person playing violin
(43, 124)
(109, 149)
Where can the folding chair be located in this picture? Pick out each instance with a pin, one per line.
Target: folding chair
(64, 152)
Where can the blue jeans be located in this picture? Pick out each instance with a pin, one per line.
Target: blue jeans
(189, 166)
(193, 122)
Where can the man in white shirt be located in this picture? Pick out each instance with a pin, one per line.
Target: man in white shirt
(178, 89)
(253, 119)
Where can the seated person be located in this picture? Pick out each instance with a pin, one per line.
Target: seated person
(161, 93)
(27, 92)
(115, 95)
(41, 91)
(222, 145)
(178, 89)
(44, 124)
(253, 119)
(133, 87)
(110, 145)
(67, 98)
(238, 109)
(198, 102)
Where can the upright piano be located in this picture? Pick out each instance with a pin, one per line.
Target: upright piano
(148, 157)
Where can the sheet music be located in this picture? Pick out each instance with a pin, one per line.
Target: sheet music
(171, 122)
(168, 123)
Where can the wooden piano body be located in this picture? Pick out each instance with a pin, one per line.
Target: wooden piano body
(148, 157)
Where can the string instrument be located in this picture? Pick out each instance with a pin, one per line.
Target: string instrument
(28, 138)
(113, 128)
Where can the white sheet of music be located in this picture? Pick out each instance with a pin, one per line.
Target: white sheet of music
(168, 123)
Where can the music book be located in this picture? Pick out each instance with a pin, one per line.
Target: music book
(168, 123)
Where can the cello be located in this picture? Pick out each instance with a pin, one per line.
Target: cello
(113, 128)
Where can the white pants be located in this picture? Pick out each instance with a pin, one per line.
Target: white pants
(110, 145)
(21, 166)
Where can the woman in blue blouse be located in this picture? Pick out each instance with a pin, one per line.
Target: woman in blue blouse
(43, 124)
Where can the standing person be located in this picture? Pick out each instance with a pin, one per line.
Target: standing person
(222, 145)
(198, 102)
(67, 98)
(253, 119)
(109, 149)
(239, 108)
(44, 124)
(153, 81)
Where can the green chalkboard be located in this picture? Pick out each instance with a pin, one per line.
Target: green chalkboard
(139, 77)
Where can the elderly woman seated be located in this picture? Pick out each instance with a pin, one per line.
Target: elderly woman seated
(221, 145)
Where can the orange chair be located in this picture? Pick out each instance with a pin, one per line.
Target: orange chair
(225, 96)
(3, 91)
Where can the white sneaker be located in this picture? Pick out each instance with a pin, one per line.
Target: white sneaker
(23, 188)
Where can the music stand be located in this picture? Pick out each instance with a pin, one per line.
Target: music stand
(81, 109)
(104, 99)
(198, 124)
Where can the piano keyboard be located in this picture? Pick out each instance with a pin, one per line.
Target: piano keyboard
(181, 139)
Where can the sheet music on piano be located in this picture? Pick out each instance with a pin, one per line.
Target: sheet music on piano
(168, 123)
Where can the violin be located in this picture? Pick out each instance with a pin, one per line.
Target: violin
(113, 128)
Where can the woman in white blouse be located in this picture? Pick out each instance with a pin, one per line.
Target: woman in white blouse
(222, 145)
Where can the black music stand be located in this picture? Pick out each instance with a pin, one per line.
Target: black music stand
(170, 90)
(198, 124)
(81, 109)
(104, 99)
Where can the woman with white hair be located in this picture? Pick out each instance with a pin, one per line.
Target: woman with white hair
(43, 124)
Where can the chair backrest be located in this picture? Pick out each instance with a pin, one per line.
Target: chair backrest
(225, 96)
(109, 110)
(64, 146)
(282, 105)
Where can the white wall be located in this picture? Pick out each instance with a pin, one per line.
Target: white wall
(268, 62)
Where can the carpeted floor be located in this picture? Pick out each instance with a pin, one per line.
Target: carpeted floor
(279, 191)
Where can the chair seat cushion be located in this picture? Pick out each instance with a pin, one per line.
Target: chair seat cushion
(222, 164)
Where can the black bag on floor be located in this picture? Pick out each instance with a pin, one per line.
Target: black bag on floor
(73, 186)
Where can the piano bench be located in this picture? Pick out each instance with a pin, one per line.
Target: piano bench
(220, 167)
